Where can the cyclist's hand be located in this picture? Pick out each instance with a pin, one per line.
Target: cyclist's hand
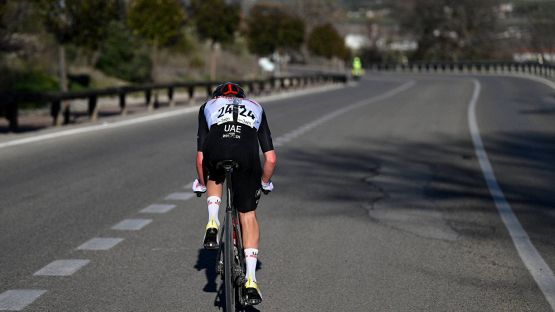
(198, 188)
(267, 187)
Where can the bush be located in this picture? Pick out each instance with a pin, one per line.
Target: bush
(324, 40)
(123, 57)
(28, 81)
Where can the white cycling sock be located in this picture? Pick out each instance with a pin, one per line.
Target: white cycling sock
(251, 257)
(213, 208)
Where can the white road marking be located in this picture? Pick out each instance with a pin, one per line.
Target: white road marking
(100, 243)
(157, 208)
(18, 299)
(536, 265)
(155, 116)
(180, 196)
(307, 127)
(131, 224)
(62, 267)
(188, 186)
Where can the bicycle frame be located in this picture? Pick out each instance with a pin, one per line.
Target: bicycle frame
(233, 257)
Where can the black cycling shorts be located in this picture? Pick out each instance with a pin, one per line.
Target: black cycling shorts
(245, 179)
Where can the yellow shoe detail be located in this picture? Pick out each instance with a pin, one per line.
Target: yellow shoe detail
(251, 284)
(212, 225)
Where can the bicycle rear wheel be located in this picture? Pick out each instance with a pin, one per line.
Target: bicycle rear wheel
(228, 265)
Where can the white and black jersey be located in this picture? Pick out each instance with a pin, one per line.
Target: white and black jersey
(233, 121)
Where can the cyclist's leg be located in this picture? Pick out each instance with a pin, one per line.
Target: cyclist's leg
(247, 193)
(213, 200)
(214, 195)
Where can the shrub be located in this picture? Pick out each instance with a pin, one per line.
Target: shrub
(122, 56)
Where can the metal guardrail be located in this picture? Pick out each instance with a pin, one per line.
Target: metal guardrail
(537, 69)
(10, 101)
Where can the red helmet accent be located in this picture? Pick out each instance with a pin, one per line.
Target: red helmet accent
(229, 89)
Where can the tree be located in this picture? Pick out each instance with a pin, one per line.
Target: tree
(215, 21)
(450, 29)
(122, 56)
(272, 27)
(318, 12)
(540, 25)
(324, 40)
(159, 22)
(83, 23)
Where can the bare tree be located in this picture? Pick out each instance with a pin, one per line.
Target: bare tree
(449, 29)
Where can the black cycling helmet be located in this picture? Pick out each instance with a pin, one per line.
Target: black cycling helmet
(229, 89)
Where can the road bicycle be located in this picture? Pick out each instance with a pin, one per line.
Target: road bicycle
(230, 263)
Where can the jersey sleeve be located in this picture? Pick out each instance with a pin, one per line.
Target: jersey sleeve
(202, 131)
(264, 135)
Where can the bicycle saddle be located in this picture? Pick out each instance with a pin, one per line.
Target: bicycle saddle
(227, 164)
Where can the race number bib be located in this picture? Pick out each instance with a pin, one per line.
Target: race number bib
(246, 116)
(225, 114)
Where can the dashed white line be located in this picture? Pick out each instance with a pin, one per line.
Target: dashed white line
(536, 265)
(18, 299)
(62, 267)
(131, 224)
(100, 243)
(157, 208)
(180, 196)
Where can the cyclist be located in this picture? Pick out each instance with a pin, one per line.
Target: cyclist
(357, 70)
(230, 126)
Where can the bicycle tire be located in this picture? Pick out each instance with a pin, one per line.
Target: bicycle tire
(228, 266)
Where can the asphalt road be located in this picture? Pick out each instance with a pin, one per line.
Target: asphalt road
(380, 205)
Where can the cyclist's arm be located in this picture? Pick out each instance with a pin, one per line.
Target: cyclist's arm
(267, 146)
(202, 133)
(270, 161)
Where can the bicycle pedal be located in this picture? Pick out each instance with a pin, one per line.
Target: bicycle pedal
(220, 268)
(251, 301)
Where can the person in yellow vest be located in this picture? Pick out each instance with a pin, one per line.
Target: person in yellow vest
(357, 70)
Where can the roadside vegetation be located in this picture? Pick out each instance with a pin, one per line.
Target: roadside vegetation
(59, 45)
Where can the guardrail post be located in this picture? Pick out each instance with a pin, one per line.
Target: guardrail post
(93, 109)
(208, 90)
(122, 103)
(67, 111)
(12, 113)
(191, 93)
(275, 84)
(170, 97)
(148, 99)
(156, 103)
(55, 109)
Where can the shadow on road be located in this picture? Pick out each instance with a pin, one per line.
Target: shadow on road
(207, 260)
(444, 177)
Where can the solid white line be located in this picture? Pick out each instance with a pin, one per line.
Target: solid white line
(154, 116)
(280, 141)
(532, 259)
(157, 208)
(62, 267)
(131, 224)
(103, 126)
(100, 243)
(18, 299)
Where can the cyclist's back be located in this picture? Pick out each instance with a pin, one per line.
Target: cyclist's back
(231, 128)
